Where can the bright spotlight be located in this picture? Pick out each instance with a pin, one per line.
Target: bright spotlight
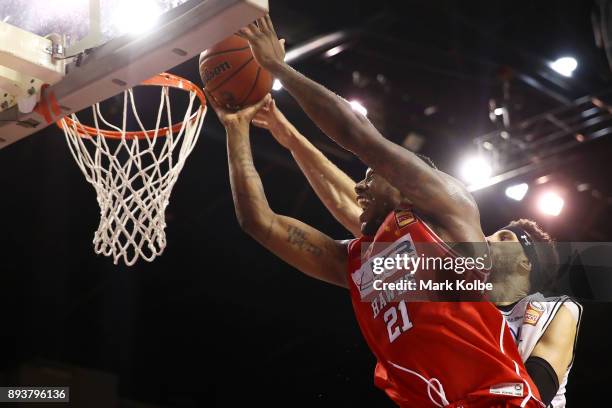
(136, 16)
(565, 66)
(517, 192)
(476, 171)
(276, 85)
(357, 107)
(550, 204)
(498, 111)
(334, 51)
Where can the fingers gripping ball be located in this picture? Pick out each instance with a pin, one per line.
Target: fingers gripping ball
(231, 75)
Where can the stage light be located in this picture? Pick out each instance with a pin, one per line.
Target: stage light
(582, 187)
(430, 110)
(276, 85)
(498, 111)
(565, 66)
(551, 203)
(476, 171)
(137, 16)
(517, 192)
(334, 51)
(358, 107)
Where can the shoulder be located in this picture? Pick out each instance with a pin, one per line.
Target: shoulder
(552, 308)
(560, 308)
(573, 308)
(563, 321)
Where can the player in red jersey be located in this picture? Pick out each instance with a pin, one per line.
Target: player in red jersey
(543, 340)
(430, 354)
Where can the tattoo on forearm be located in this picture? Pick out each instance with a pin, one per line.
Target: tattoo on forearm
(299, 238)
(243, 163)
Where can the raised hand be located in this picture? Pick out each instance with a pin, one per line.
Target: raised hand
(271, 118)
(265, 45)
(241, 118)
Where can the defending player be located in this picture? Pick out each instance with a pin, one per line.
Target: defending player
(535, 321)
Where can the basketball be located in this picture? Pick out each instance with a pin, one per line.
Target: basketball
(231, 75)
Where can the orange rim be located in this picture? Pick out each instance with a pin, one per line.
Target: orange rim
(163, 79)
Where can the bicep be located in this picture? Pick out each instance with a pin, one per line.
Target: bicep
(557, 344)
(306, 249)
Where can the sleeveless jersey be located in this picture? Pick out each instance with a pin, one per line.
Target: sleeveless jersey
(433, 353)
(528, 320)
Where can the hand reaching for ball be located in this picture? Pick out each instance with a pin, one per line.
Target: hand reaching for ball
(265, 45)
(271, 118)
(236, 119)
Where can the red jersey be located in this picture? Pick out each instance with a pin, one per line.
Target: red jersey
(458, 354)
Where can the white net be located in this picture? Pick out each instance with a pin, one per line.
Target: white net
(133, 176)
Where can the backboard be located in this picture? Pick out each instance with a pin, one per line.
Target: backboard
(59, 57)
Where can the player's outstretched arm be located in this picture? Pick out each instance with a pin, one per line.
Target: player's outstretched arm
(333, 187)
(303, 247)
(431, 191)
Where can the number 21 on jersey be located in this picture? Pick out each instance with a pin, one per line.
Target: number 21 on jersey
(394, 327)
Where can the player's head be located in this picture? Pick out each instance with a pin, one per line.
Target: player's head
(522, 248)
(377, 197)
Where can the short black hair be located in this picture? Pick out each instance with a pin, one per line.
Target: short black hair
(546, 252)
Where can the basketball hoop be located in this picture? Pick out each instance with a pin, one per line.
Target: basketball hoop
(133, 172)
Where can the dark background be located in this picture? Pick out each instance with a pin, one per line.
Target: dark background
(218, 321)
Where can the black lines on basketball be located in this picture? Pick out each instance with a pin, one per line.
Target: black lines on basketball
(233, 74)
(216, 54)
(252, 87)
